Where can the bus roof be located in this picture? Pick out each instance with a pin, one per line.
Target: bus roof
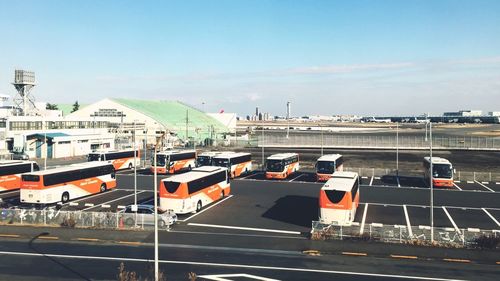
(330, 157)
(170, 152)
(109, 151)
(231, 154)
(342, 181)
(437, 160)
(72, 167)
(212, 153)
(13, 162)
(281, 156)
(195, 174)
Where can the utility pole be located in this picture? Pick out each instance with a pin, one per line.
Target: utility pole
(431, 184)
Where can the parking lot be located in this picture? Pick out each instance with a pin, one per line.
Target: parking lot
(287, 207)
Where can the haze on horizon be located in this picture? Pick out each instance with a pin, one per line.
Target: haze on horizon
(326, 57)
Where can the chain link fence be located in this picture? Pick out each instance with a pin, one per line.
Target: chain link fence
(81, 219)
(417, 235)
(374, 141)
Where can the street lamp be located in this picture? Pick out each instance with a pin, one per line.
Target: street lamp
(397, 153)
(431, 184)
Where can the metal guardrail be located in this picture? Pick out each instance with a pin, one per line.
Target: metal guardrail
(77, 219)
(450, 237)
(370, 141)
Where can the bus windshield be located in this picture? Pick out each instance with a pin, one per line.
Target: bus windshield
(325, 167)
(171, 186)
(442, 171)
(274, 165)
(204, 160)
(94, 157)
(161, 160)
(221, 162)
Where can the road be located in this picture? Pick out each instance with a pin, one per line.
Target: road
(37, 259)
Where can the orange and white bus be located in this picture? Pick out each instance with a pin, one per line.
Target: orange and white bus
(189, 192)
(237, 163)
(206, 158)
(339, 199)
(10, 173)
(67, 183)
(171, 162)
(123, 159)
(442, 171)
(281, 165)
(327, 165)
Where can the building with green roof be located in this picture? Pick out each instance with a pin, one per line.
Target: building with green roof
(156, 116)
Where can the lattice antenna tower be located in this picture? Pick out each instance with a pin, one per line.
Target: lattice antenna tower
(24, 101)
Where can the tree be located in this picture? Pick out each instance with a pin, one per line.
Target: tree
(76, 106)
(51, 106)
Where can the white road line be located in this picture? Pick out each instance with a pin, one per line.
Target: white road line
(470, 181)
(408, 224)
(113, 200)
(364, 178)
(491, 216)
(245, 228)
(363, 219)
(497, 182)
(259, 173)
(377, 178)
(192, 216)
(227, 265)
(427, 206)
(451, 220)
(481, 184)
(73, 203)
(371, 181)
(297, 177)
(89, 205)
(457, 186)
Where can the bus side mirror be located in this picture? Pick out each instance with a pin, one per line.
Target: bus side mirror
(454, 171)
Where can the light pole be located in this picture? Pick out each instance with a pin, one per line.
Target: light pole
(321, 128)
(397, 153)
(45, 144)
(262, 145)
(431, 184)
(135, 166)
(156, 213)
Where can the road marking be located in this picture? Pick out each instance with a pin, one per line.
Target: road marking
(88, 205)
(451, 220)
(105, 206)
(470, 181)
(497, 182)
(73, 203)
(457, 260)
(485, 182)
(364, 178)
(362, 228)
(371, 181)
(491, 216)
(48, 237)
(426, 206)
(10, 235)
(88, 239)
(457, 181)
(259, 173)
(404, 257)
(297, 177)
(457, 186)
(408, 224)
(481, 184)
(192, 216)
(227, 265)
(354, 254)
(129, 243)
(377, 178)
(121, 207)
(238, 234)
(224, 277)
(120, 198)
(245, 228)
(397, 179)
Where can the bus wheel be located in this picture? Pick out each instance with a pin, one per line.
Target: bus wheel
(222, 194)
(65, 197)
(129, 221)
(130, 166)
(189, 168)
(198, 206)
(103, 187)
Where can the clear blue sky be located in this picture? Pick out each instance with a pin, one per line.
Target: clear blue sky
(326, 57)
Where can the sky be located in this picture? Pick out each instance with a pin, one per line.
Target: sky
(386, 57)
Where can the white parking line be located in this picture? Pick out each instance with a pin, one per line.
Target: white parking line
(247, 176)
(112, 201)
(457, 186)
(408, 224)
(192, 216)
(226, 265)
(363, 219)
(451, 220)
(297, 177)
(427, 206)
(245, 228)
(371, 181)
(491, 216)
(481, 184)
